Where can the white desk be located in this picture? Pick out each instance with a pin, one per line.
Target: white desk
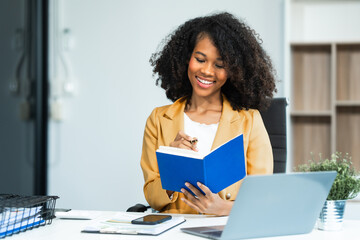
(70, 229)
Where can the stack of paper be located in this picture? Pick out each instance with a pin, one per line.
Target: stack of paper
(121, 224)
(78, 214)
(13, 220)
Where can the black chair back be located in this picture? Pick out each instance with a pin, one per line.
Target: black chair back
(275, 123)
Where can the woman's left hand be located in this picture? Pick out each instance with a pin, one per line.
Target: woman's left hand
(209, 203)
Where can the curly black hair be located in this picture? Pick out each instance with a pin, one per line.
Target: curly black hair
(251, 76)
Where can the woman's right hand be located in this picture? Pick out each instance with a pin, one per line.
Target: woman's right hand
(184, 141)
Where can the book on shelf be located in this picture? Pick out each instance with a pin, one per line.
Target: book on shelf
(217, 170)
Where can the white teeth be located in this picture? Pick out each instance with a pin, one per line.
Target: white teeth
(204, 81)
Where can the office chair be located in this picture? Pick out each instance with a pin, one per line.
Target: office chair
(275, 123)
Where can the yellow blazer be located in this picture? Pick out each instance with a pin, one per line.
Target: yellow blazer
(161, 129)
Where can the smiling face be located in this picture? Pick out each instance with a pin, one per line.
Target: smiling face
(206, 70)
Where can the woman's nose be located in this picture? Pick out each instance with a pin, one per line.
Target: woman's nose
(207, 69)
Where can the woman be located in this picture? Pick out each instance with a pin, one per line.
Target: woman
(217, 74)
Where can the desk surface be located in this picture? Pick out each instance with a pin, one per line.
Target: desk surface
(70, 229)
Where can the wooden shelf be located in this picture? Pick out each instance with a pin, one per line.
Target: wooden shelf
(348, 103)
(325, 109)
(311, 77)
(311, 135)
(311, 114)
(348, 132)
(348, 72)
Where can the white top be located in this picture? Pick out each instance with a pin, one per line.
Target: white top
(205, 133)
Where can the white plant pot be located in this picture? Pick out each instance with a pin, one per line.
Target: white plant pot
(331, 215)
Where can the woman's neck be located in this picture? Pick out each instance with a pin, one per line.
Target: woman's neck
(204, 110)
(201, 104)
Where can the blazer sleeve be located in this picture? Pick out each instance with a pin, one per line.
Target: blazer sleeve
(259, 153)
(155, 195)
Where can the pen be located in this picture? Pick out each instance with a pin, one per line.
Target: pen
(118, 230)
(193, 141)
(117, 221)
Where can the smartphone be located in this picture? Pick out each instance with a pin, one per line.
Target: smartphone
(151, 219)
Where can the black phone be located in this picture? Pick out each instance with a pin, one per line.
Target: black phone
(151, 219)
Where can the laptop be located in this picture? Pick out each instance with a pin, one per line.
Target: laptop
(273, 205)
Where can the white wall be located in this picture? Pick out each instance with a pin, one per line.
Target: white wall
(326, 20)
(95, 149)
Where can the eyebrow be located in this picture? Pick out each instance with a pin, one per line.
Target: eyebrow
(203, 54)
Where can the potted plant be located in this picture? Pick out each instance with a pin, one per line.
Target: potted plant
(346, 186)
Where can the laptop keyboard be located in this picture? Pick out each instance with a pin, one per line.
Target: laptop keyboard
(213, 233)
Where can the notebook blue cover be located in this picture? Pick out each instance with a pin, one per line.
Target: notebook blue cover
(217, 170)
(8, 230)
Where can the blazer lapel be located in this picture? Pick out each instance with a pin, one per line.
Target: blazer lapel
(229, 125)
(172, 121)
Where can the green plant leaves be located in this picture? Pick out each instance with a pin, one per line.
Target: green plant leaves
(347, 182)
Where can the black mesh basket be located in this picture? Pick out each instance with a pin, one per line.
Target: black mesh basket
(22, 213)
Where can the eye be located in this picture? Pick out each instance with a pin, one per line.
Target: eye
(219, 66)
(199, 60)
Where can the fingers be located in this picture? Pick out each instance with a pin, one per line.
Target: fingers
(181, 143)
(208, 203)
(183, 140)
(182, 135)
(193, 206)
(186, 144)
(205, 189)
(195, 190)
(190, 196)
(193, 143)
(192, 201)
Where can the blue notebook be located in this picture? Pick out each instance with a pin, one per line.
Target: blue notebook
(217, 170)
